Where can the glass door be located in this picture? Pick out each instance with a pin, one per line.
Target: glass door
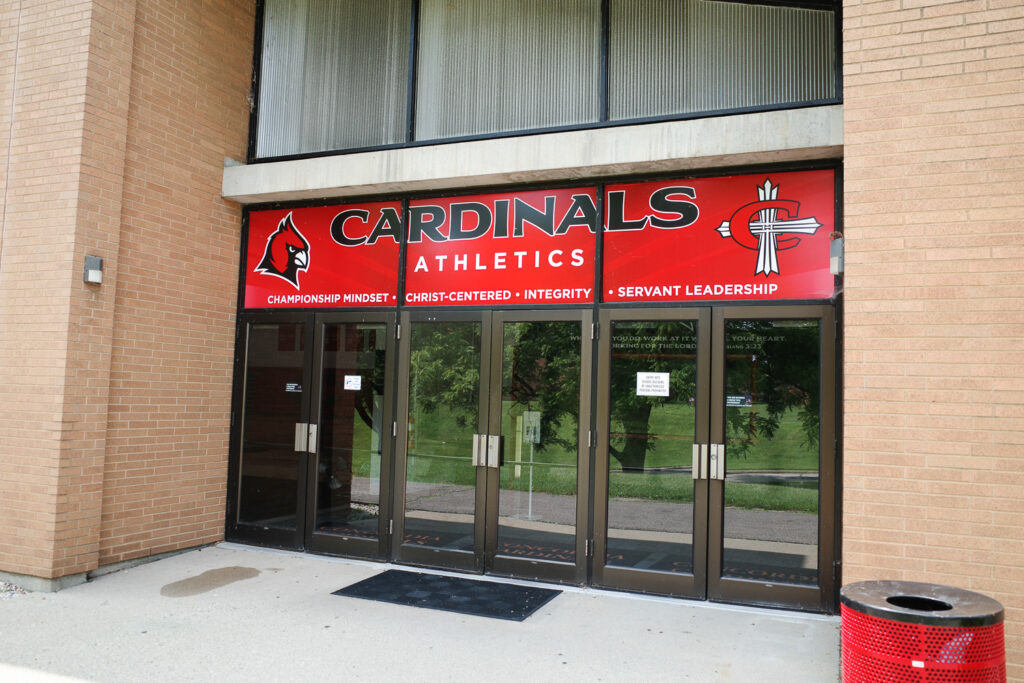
(773, 412)
(269, 472)
(651, 518)
(717, 476)
(315, 436)
(353, 434)
(494, 448)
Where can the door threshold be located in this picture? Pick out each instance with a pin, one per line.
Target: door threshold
(568, 588)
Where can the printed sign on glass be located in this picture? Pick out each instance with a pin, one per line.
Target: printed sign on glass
(520, 248)
(763, 236)
(325, 256)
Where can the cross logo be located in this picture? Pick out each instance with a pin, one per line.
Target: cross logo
(768, 233)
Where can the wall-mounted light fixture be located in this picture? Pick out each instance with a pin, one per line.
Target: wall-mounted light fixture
(836, 255)
(93, 274)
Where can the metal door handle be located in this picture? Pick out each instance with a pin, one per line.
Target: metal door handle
(301, 437)
(717, 468)
(311, 444)
(700, 461)
(495, 451)
(476, 449)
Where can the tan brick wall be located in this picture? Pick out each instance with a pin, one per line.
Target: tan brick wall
(934, 322)
(43, 85)
(167, 436)
(114, 123)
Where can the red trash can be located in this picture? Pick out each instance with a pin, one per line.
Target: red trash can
(907, 631)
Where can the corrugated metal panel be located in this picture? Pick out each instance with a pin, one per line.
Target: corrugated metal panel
(334, 75)
(684, 56)
(486, 66)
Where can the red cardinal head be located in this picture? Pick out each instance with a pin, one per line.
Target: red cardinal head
(287, 253)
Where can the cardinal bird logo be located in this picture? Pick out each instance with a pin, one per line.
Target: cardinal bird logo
(287, 253)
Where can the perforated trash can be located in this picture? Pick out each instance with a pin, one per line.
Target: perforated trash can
(907, 631)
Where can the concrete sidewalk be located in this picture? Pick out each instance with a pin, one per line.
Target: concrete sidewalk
(235, 613)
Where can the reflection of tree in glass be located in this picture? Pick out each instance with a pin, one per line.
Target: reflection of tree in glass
(444, 369)
(541, 370)
(775, 364)
(647, 347)
(370, 393)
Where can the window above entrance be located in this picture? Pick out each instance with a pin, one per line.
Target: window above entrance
(367, 74)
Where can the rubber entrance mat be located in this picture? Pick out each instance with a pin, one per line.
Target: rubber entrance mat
(452, 594)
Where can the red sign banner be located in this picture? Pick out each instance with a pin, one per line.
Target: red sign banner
(498, 249)
(763, 236)
(324, 256)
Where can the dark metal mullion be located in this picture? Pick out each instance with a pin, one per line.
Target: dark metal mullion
(596, 385)
(703, 437)
(254, 91)
(313, 396)
(410, 97)
(403, 254)
(715, 546)
(605, 41)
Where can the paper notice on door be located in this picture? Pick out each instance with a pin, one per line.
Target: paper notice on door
(531, 426)
(353, 382)
(652, 383)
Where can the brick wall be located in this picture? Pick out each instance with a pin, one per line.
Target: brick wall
(115, 118)
(173, 338)
(934, 322)
(43, 89)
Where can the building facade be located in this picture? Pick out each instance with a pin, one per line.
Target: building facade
(241, 170)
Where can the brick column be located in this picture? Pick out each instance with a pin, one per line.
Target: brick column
(65, 77)
(934, 194)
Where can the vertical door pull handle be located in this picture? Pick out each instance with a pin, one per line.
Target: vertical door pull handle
(495, 452)
(700, 461)
(311, 444)
(476, 450)
(301, 436)
(717, 470)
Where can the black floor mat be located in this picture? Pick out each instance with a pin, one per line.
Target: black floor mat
(451, 594)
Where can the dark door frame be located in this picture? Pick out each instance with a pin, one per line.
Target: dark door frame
(484, 558)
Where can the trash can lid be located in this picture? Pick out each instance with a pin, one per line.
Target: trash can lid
(921, 603)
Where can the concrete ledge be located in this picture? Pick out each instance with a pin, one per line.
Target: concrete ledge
(37, 584)
(768, 137)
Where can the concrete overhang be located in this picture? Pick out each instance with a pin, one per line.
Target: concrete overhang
(784, 136)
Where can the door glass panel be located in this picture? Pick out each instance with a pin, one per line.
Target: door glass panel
(444, 406)
(772, 412)
(653, 378)
(268, 490)
(350, 426)
(540, 396)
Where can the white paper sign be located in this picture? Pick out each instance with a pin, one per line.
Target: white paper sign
(531, 426)
(652, 383)
(353, 382)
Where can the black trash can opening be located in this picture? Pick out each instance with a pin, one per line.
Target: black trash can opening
(909, 631)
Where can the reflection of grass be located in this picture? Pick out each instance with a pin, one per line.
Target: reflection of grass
(440, 434)
(791, 496)
(672, 488)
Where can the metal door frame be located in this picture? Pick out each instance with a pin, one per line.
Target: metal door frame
(340, 544)
(251, 533)
(790, 596)
(304, 536)
(558, 572)
(642, 580)
(484, 558)
(421, 555)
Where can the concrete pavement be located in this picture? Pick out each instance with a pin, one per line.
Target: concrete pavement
(235, 613)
